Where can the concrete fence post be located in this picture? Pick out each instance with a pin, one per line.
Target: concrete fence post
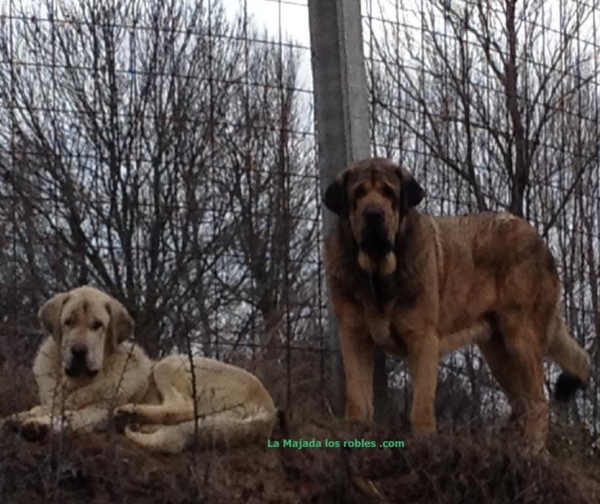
(342, 124)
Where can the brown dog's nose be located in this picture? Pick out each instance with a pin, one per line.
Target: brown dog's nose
(373, 215)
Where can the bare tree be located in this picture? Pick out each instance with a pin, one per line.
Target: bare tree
(125, 125)
(271, 190)
(486, 86)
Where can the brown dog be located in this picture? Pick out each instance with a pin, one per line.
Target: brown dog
(403, 281)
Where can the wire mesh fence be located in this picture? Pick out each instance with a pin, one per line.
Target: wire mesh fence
(165, 152)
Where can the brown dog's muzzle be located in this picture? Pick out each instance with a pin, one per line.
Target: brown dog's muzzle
(375, 241)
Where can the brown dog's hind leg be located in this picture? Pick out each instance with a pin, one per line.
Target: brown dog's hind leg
(516, 362)
(423, 361)
(504, 370)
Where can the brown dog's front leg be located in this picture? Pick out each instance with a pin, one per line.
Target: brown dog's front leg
(423, 361)
(357, 352)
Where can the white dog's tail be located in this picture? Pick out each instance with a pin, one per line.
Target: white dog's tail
(218, 429)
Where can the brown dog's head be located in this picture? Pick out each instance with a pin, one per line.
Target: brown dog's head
(87, 324)
(374, 195)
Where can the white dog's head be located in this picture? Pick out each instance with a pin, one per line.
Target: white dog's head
(87, 324)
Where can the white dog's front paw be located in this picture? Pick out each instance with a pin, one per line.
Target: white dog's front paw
(123, 416)
(126, 409)
(30, 429)
(11, 423)
(15, 422)
(23, 416)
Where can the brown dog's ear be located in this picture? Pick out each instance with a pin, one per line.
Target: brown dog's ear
(49, 315)
(121, 323)
(335, 198)
(412, 192)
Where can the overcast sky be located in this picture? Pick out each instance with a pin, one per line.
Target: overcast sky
(282, 18)
(292, 14)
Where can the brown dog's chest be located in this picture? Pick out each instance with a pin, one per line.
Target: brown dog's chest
(386, 307)
(396, 311)
(379, 299)
(401, 313)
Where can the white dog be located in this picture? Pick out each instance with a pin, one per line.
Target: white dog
(85, 370)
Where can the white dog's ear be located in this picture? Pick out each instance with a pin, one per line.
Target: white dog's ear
(121, 323)
(49, 315)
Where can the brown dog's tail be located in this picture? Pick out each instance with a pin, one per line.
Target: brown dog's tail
(218, 429)
(570, 356)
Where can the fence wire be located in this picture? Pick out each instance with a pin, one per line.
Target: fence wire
(165, 152)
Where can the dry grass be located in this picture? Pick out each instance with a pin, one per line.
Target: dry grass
(445, 469)
(18, 390)
(106, 468)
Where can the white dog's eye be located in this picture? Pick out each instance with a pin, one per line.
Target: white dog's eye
(96, 325)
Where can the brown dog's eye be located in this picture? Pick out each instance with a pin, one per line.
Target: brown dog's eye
(388, 192)
(96, 325)
(69, 322)
(359, 192)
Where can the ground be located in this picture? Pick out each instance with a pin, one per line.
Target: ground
(443, 469)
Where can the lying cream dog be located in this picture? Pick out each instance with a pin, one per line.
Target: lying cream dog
(85, 370)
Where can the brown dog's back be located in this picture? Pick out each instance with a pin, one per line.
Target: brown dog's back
(510, 268)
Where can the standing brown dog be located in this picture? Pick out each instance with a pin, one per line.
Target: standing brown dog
(403, 281)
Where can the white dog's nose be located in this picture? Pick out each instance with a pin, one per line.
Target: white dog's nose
(77, 364)
(79, 353)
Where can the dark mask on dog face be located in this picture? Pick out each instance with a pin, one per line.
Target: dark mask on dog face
(373, 195)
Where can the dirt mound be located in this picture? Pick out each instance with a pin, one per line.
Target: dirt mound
(106, 468)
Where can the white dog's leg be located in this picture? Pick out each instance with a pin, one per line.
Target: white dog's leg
(168, 413)
(88, 419)
(226, 428)
(81, 421)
